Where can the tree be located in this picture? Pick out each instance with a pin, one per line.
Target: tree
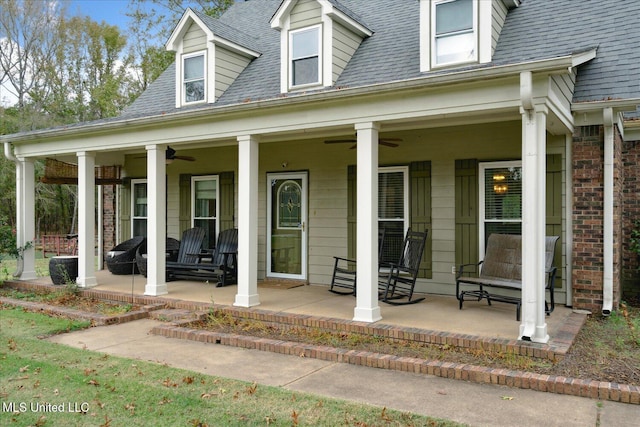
(87, 78)
(151, 25)
(30, 34)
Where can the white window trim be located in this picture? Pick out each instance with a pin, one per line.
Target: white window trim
(432, 36)
(482, 167)
(135, 182)
(205, 77)
(405, 184)
(290, 58)
(194, 179)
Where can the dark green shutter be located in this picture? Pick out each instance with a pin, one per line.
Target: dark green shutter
(466, 206)
(420, 210)
(184, 203)
(125, 211)
(226, 201)
(352, 205)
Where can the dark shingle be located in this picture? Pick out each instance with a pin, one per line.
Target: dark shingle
(538, 29)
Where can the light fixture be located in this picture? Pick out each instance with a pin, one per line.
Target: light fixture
(499, 186)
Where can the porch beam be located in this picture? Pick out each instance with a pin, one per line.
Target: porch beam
(86, 219)
(156, 220)
(367, 308)
(533, 326)
(26, 222)
(247, 295)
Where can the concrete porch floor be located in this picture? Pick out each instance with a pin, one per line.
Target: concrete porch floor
(436, 312)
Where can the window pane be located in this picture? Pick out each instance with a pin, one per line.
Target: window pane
(140, 200)
(194, 68)
(391, 195)
(503, 193)
(305, 43)
(393, 238)
(454, 16)
(205, 199)
(456, 48)
(209, 227)
(305, 71)
(140, 227)
(391, 213)
(194, 91)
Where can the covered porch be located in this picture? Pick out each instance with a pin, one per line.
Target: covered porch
(443, 140)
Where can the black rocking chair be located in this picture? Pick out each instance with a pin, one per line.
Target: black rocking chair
(399, 282)
(344, 271)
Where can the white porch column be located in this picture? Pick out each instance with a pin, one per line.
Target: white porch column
(247, 295)
(367, 308)
(86, 220)
(533, 326)
(26, 225)
(156, 220)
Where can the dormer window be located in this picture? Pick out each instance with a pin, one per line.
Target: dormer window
(209, 57)
(194, 82)
(305, 52)
(317, 40)
(454, 27)
(455, 33)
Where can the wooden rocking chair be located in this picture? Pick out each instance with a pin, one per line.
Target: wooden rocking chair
(344, 271)
(400, 280)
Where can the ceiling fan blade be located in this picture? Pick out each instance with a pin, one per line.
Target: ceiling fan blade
(386, 142)
(339, 141)
(187, 158)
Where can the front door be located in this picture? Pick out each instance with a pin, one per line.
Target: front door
(286, 225)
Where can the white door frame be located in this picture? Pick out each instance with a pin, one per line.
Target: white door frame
(303, 176)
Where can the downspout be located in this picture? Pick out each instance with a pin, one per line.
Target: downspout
(9, 155)
(607, 283)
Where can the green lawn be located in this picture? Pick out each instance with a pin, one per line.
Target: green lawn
(47, 384)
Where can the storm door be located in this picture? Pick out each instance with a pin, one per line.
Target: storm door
(286, 225)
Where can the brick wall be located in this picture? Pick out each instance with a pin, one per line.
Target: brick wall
(109, 217)
(631, 193)
(588, 174)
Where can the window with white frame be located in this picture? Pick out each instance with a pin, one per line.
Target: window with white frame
(500, 199)
(205, 207)
(193, 77)
(305, 56)
(454, 31)
(393, 209)
(139, 207)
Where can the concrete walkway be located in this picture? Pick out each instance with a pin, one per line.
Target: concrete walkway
(464, 402)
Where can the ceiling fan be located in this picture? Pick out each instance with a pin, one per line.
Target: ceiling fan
(170, 155)
(387, 142)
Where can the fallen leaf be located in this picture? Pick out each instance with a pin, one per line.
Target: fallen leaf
(506, 397)
(24, 368)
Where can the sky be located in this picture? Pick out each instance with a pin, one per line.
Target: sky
(113, 12)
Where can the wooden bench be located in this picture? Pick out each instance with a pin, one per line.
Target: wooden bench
(501, 273)
(58, 244)
(219, 266)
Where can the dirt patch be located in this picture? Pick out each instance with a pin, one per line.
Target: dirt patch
(69, 299)
(606, 349)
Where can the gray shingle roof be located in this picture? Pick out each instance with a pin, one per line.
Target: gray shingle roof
(538, 29)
